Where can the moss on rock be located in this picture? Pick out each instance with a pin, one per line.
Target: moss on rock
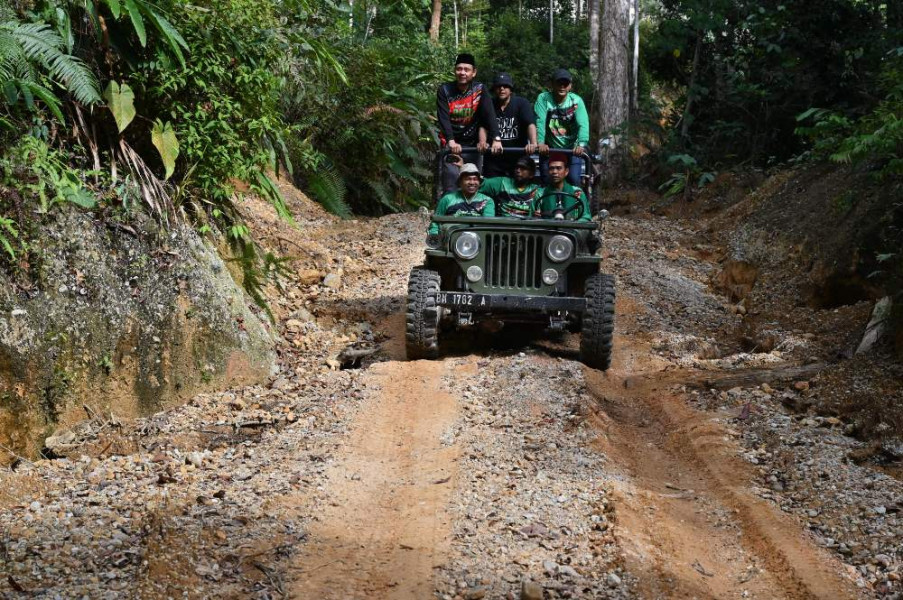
(122, 319)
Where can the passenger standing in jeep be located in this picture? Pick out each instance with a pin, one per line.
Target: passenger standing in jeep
(462, 108)
(517, 127)
(563, 124)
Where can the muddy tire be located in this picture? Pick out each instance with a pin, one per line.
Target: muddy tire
(422, 316)
(598, 322)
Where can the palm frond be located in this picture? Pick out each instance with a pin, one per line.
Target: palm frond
(172, 36)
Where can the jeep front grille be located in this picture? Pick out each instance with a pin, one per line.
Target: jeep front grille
(513, 261)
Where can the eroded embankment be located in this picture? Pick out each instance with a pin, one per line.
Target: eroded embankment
(114, 322)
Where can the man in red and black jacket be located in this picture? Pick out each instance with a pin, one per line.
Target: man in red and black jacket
(463, 107)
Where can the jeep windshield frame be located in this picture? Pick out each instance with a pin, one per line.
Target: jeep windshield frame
(515, 222)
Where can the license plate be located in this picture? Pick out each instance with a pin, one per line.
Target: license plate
(463, 300)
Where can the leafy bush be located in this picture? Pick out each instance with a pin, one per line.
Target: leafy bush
(681, 180)
(746, 69)
(519, 46)
(876, 137)
(372, 128)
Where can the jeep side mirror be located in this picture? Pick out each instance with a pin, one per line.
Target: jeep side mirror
(603, 215)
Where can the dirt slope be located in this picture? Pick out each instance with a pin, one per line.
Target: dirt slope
(499, 471)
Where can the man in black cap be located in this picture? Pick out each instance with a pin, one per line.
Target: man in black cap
(463, 107)
(563, 124)
(516, 124)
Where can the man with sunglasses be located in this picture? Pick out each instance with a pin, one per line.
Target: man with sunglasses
(516, 126)
(514, 197)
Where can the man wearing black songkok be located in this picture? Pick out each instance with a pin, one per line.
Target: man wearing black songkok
(463, 106)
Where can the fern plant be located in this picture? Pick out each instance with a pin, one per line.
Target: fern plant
(32, 58)
(328, 187)
(9, 235)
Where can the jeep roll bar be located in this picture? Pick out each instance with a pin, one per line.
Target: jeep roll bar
(586, 180)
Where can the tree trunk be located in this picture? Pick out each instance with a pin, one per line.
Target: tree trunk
(691, 93)
(455, 4)
(634, 96)
(551, 22)
(435, 20)
(613, 83)
(594, 39)
(371, 14)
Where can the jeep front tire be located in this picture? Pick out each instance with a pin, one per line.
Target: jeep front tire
(422, 316)
(598, 327)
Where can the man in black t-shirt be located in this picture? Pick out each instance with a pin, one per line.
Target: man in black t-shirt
(516, 124)
(463, 109)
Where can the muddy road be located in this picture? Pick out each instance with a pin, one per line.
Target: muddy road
(499, 471)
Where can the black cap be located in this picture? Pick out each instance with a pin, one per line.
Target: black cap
(503, 79)
(526, 161)
(560, 74)
(465, 59)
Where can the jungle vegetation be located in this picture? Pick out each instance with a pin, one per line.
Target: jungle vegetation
(168, 106)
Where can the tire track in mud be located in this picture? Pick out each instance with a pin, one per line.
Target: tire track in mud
(386, 524)
(688, 520)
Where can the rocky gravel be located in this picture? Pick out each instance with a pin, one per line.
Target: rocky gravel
(537, 512)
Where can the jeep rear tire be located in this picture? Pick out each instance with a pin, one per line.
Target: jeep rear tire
(598, 322)
(422, 316)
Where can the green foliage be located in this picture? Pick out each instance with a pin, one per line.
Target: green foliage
(257, 271)
(9, 236)
(136, 11)
(373, 137)
(329, 189)
(876, 137)
(121, 102)
(32, 60)
(166, 143)
(39, 171)
(223, 105)
(519, 46)
(746, 69)
(105, 363)
(681, 181)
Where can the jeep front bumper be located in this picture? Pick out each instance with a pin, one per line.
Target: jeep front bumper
(467, 302)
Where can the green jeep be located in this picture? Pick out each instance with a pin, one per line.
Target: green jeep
(542, 270)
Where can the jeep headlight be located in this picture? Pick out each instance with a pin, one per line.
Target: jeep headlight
(467, 245)
(560, 248)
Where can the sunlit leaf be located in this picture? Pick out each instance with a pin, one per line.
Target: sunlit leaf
(167, 144)
(121, 100)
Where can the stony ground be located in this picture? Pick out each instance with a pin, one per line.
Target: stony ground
(696, 467)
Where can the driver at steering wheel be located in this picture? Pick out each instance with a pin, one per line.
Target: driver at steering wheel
(514, 196)
(560, 198)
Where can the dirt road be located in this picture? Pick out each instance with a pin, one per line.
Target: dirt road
(498, 471)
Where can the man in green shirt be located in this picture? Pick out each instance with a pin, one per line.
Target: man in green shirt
(514, 197)
(565, 204)
(562, 123)
(467, 201)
